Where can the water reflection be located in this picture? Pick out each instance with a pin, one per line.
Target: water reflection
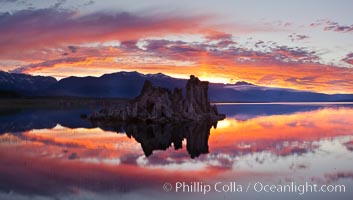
(18, 120)
(66, 157)
(162, 136)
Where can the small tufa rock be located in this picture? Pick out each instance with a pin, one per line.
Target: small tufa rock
(157, 104)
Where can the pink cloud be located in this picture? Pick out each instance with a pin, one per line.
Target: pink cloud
(26, 30)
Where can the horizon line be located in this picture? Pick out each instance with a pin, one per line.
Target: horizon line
(98, 76)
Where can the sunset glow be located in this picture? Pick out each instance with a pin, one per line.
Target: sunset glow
(176, 99)
(220, 42)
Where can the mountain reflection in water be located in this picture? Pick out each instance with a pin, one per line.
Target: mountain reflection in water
(66, 157)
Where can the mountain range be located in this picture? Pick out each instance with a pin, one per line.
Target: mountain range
(129, 84)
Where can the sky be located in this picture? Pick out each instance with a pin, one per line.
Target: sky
(303, 44)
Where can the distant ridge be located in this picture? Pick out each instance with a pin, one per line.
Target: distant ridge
(242, 83)
(129, 84)
(14, 84)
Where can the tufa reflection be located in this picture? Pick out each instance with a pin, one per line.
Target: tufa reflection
(158, 136)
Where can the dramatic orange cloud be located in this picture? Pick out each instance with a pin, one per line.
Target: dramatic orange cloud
(228, 65)
(64, 43)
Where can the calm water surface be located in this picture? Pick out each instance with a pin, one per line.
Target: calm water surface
(53, 154)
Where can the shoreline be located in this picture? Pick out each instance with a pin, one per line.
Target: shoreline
(282, 103)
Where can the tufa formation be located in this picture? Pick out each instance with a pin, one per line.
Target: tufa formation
(157, 104)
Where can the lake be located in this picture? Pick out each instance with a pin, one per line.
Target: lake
(54, 154)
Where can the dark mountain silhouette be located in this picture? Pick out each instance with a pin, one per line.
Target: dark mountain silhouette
(242, 83)
(15, 85)
(121, 84)
(129, 84)
(253, 93)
